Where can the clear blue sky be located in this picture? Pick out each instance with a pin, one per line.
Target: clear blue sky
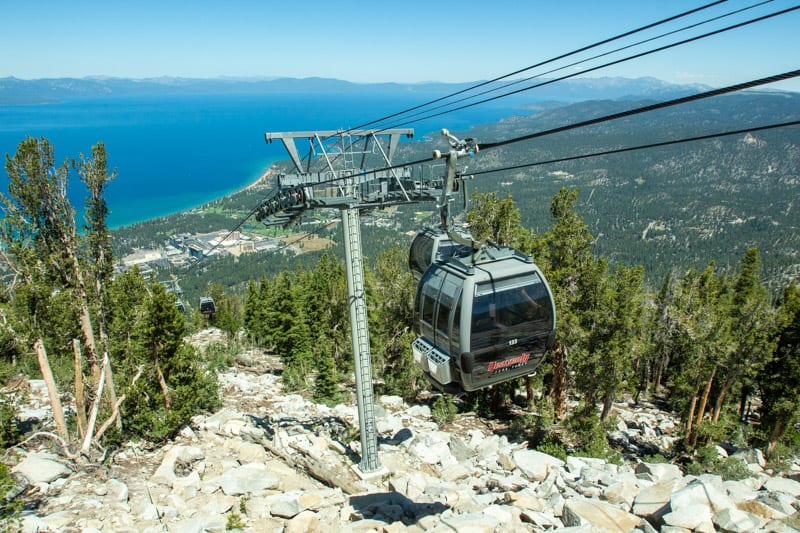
(406, 41)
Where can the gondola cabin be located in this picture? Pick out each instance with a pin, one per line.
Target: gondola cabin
(482, 321)
(431, 245)
(207, 306)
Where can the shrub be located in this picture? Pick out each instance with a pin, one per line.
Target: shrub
(9, 429)
(10, 509)
(707, 461)
(444, 410)
(588, 433)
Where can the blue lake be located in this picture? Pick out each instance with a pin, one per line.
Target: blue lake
(179, 151)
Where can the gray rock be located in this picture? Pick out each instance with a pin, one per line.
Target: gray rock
(622, 492)
(658, 471)
(200, 524)
(751, 456)
(707, 489)
(41, 469)
(460, 450)
(601, 515)
(250, 452)
(535, 465)
(739, 491)
(117, 490)
(653, 502)
(693, 516)
(303, 522)
(289, 504)
(249, 478)
(782, 484)
(761, 510)
(777, 526)
(779, 501)
(736, 521)
(467, 523)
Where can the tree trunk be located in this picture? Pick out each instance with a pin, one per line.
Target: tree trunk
(529, 392)
(85, 315)
(164, 388)
(112, 392)
(702, 407)
(87, 439)
(776, 433)
(657, 374)
(52, 392)
(80, 398)
(690, 414)
(726, 388)
(560, 382)
(608, 402)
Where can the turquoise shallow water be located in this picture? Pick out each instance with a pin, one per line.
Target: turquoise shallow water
(179, 151)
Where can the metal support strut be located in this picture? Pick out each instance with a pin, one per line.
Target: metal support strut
(370, 462)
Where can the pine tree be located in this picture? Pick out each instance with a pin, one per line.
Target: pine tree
(172, 386)
(326, 383)
(41, 245)
(392, 323)
(778, 382)
(573, 275)
(752, 319)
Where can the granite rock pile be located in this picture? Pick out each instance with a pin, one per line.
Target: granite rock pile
(271, 461)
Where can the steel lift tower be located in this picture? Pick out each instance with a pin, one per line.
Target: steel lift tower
(344, 182)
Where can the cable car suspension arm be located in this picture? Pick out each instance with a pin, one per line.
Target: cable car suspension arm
(459, 149)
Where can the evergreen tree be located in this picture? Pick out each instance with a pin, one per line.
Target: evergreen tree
(780, 393)
(94, 174)
(497, 220)
(324, 296)
(170, 386)
(392, 321)
(41, 245)
(752, 318)
(326, 383)
(573, 275)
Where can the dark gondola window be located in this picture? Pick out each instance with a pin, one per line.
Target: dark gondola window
(431, 285)
(448, 296)
(455, 338)
(510, 310)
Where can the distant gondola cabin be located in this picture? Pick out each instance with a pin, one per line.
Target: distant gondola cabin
(482, 321)
(431, 245)
(207, 306)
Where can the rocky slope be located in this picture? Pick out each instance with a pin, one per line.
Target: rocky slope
(256, 466)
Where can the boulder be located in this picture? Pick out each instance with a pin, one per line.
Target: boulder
(249, 478)
(653, 502)
(41, 469)
(600, 515)
(658, 471)
(737, 521)
(783, 484)
(535, 465)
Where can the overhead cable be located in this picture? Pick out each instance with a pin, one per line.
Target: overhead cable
(640, 147)
(542, 63)
(648, 108)
(606, 118)
(574, 63)
(604, 65)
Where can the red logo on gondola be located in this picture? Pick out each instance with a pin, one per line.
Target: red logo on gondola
(519, 360)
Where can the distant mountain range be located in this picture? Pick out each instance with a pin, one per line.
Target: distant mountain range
(14, 91)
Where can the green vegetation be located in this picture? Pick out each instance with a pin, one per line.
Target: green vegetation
(444, 410)
(64, 300)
